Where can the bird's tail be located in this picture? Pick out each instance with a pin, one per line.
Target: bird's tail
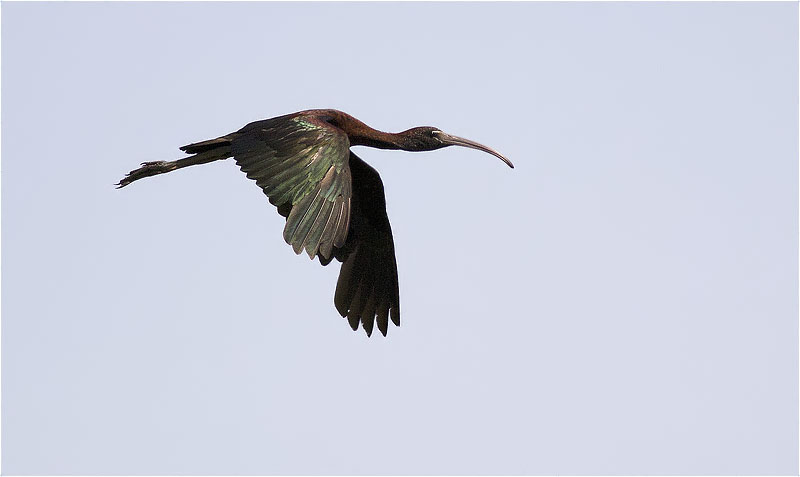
(203, 153)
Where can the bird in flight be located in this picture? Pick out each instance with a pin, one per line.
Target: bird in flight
(332, 200)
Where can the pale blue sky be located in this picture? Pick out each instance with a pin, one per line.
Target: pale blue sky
(623, 302)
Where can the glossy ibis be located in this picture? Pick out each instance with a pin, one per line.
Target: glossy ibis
(332, 200)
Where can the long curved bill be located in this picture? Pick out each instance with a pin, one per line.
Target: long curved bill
(449, 140)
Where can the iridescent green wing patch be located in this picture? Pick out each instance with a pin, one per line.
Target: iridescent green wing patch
(302, 166)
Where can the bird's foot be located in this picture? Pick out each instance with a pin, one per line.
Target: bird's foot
(148, 169)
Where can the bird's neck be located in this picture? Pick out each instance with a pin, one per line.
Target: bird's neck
(375, 138)
(360, 134)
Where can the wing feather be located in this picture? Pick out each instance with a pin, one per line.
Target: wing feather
(297, 224)
(304, 229)
(312, 241)
(368, 309)
(382, 318)
(343, 223)
(326, 241)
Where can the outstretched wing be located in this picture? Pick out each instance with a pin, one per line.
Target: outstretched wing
(367, 290)
(301, 163)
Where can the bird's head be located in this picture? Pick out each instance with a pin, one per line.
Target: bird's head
(427, 138)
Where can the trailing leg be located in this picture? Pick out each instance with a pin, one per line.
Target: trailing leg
(219, 152)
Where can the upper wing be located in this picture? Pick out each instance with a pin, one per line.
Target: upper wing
(367, 290)
(301, 163)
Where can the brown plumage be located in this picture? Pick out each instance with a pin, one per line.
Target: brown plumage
(333, 201)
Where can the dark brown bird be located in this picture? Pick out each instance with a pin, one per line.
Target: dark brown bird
(332, 200)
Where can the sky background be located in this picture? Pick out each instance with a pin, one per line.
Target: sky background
(623, 302)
